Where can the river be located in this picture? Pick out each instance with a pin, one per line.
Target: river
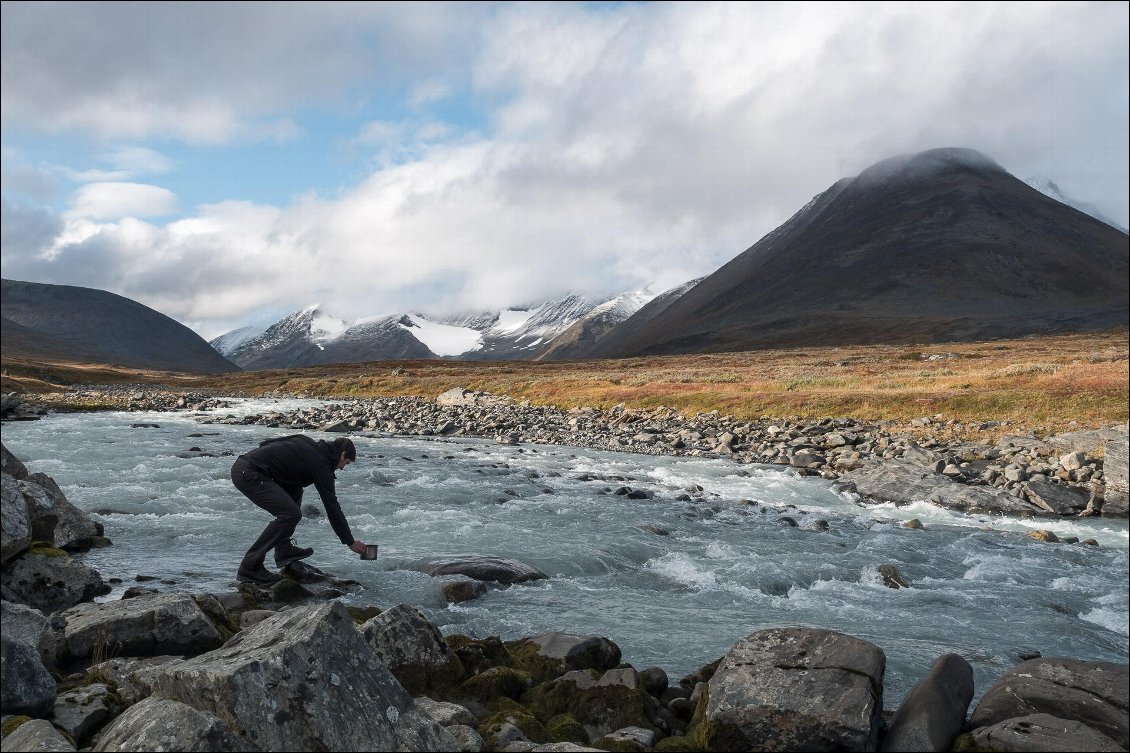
(674, 583)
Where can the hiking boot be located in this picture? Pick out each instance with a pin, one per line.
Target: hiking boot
(260, 576)
(287, 553)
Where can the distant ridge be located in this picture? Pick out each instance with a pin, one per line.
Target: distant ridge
(67, 323)
(943, 245)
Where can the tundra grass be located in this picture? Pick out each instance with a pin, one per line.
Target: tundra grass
(1042, 384)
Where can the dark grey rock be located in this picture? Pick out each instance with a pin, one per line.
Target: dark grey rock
(460, 588)
(931, 715)
(80, 711)
(28, 625)
(37, 736)
(411, 647)
(26, 687)
(1040, 733)
(73, 528)
(903, 482)
(304, 680)
(577, 651)
(50, 581)
(163, 724)
(479, 567)
(15, 523)
(1055, 498)
(1094, 693)
(162, 623)
(796, 689)
(11, 465)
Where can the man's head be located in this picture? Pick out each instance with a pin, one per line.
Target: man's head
(345, 451)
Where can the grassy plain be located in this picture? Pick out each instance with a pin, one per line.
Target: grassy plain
(1037, 384)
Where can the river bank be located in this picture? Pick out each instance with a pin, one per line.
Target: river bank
(971, 468)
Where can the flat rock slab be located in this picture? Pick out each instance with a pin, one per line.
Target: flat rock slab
(480, 567)
(162, 623)
(903, 482)
(1094, 693)
(1037, 733)
(37, 735)
(162, 724)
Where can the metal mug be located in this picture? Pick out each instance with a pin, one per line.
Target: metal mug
(370, 552)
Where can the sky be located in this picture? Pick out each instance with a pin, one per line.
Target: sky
(230, 163)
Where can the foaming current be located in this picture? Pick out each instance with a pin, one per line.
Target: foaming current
(674, 583)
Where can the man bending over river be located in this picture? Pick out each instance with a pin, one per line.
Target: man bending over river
(273, 476)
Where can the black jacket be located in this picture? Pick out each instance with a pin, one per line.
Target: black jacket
(296, 461)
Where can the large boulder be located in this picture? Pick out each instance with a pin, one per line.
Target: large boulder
(1094, 693)
(162, 724)
(551, 655)
(49, 579)
(931, 715)
(1037, 733)
(15, 524)
(10, 464)
(304, 679)
(81, 710)
(37, 735)
(160, 623)
(904, 482)
(25, 624)
(73, 528)
(1056, 498)
(26, 687)
(1117, 493)
(413, 649)
(479, 567)
(795, 689)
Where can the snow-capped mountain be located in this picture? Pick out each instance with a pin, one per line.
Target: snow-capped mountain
(594, 325)
(519, 333)
(315, 336)
(1048, 188)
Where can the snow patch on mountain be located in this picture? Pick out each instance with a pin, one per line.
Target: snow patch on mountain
(323, 326)
(442, 339)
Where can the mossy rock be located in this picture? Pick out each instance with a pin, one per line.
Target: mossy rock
(678, 744)
(526, 655)
(494, 683)
(564, 728)
(479, 655)
(225, 625)
(12, 723)
(520, 717)
(434, 681)
(600, 710)
(965, 743)
(46, 549)
(361, 615)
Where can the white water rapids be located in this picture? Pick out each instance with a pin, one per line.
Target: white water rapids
(980, 587)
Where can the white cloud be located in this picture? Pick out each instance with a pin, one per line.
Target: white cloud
(429, 92)
(214, 73)
(627, 144)
(110, 201)
(138, 160)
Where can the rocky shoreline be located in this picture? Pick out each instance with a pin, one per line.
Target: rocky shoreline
(291, 668)
(1081, 473)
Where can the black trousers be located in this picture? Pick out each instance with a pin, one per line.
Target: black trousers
(278, 500)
